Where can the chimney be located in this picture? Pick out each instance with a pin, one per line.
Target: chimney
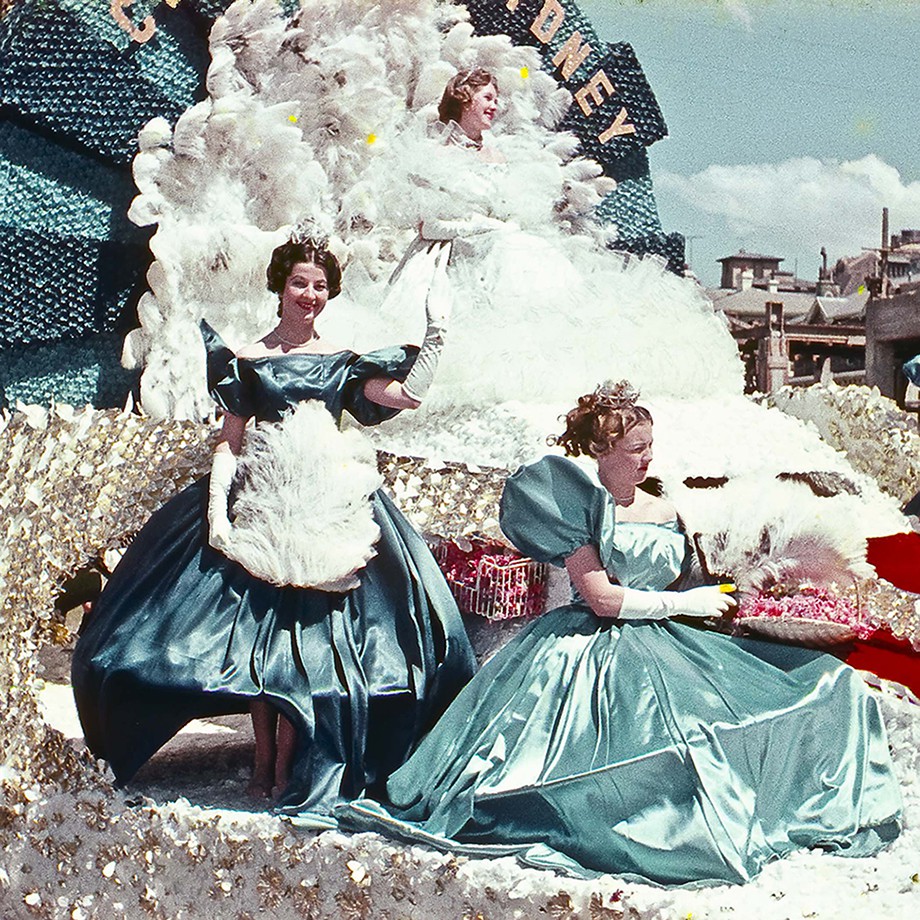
(746, 279)
(772, 284)
(884, 254)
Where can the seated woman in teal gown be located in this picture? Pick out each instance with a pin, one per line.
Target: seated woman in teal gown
(613, 735)
(181, 631)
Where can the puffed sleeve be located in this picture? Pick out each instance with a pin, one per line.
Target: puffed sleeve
(225, 384)
(395, 362)
(551, 508)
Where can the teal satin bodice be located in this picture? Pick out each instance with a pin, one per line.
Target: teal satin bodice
(553, 507)
(264, 388)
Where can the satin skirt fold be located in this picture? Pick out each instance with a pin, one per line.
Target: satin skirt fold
(182, 632)
(650, 750)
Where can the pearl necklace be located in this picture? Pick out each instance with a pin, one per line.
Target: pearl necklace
(623, 500)
(291, 344)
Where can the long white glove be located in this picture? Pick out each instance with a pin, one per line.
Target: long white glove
(437, 314)
(223, 469)
(436, 229)
(707, 601)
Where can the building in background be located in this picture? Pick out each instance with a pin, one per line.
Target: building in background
(857, 323)
(790, 330)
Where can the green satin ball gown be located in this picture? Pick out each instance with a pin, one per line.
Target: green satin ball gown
(652, 750)
(183, 632)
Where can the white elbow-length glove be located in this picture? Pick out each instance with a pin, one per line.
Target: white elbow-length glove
(437, 314)
(436, 229)
(707, 601)
(223, 469)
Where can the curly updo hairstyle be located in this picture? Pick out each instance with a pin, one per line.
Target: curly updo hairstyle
(459, 92)
(600, 419)
(311, 251)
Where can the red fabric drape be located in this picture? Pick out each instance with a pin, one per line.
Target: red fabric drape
(896, 558)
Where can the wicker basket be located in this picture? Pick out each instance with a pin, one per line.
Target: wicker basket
(818, 617)
(798, 630)
(491, 581)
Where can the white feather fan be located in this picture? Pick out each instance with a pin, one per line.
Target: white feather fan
(302, 514)
(764, 533)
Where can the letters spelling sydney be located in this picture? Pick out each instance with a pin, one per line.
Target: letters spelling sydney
(570, 56)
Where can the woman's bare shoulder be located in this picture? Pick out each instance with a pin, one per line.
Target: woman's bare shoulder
(254, 350)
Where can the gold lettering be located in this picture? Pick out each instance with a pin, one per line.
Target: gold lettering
(593, 89)
(618, 126)
(138, 34)
(571, 55)
(548, 20)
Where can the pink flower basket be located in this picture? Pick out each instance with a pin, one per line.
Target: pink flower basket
(491, 580)
(806, 615)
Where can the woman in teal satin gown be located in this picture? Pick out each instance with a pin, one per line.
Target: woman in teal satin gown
(612, 735)
(181, 631)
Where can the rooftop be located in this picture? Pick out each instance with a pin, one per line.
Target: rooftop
(741, 254)
(827, 310)
(750, 304)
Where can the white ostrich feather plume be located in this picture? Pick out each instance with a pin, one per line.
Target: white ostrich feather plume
(323, 115)
(302, 514)
(317, 116)
(766, 532)
(156, 133)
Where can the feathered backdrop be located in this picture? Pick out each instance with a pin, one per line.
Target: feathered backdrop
(330, 115)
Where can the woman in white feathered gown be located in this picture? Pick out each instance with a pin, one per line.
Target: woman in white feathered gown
(537, 293)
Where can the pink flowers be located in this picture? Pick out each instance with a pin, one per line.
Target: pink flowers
(492, 580)
(805, 603)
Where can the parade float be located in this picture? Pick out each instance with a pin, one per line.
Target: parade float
(323, 114)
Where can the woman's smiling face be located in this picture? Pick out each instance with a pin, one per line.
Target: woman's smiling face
(478, 114)
(305, 292)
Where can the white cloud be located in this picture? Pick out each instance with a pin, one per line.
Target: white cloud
(801, 202)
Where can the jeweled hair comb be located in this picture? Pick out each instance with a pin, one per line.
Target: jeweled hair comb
(616, 395)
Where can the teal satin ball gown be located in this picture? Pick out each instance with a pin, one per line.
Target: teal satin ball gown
(652, 750)
(182, 632)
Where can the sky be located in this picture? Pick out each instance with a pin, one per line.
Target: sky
(791, 122)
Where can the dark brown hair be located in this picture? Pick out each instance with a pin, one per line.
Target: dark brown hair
(460, 90)
(599, 420)
(288, 254)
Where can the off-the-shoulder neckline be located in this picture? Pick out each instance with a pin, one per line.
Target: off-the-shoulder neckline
(296, 354)
(669, 523)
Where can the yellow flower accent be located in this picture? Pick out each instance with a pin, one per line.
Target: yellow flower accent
(292, 119)
(525, 73)
(372, 138)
